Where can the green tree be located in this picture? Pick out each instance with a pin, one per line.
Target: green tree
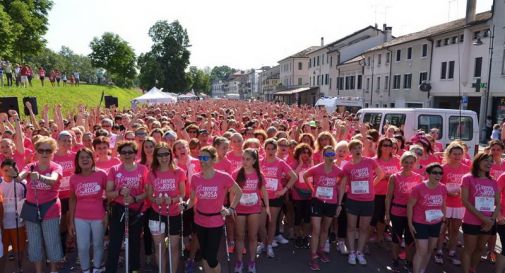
(116, 56)
(219, 73)
(200, 80)
(166, 63)
(6, 34)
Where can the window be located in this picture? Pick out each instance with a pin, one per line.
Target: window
(478, 67)
(454, 39)
(313, 80)
(407, 81)
(439, 43)
(360, 79)
(446, 41)
(317, 60)
(331, 61)
(451, 70)
(427, 122)
(398, 55)
(367, 83)
(409, 53)
(460, 128)
(322, 59)
(374, 119)
(310, 62)
(424, 51)
(423, 76)
(347, 82)
(386, 82)
(368, 61)
(388, 56)
(379, 59)
(443, 71)
(378, 83)
(326, 79)
(300, 65)
(318, 79)
(476, 35)
(503, 63)
(340, 83)
(397, 120)
(299, 81)
(461, 38)
(396, 81)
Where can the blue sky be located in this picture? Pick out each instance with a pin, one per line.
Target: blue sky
(242, 34)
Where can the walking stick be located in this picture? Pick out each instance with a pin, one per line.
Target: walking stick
(159, 230)
(168, 229)
(182, 230)
(226, 244)
(126, 236)
(18, 262)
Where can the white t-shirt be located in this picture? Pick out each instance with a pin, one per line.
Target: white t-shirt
(7, 189)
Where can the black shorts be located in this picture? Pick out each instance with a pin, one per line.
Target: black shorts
(189, 220)
(302, 211)
(476, 230)
(400, 226)
(319, 208)
(501, 231)
(424, 231)
(359, 208)
(276, 203)
(175, 222)
(379, 211)
(210, 240)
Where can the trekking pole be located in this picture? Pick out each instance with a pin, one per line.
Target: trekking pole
(18, 262)
(168, 233)
(182, 229)
(226, 244)
(126, 236)
(159, 230)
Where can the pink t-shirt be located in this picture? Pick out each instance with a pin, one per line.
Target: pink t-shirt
(236, 161)
(274, 172)
(428, 209)
(497, 169)
(250, 201)
(481, 194)
(166, 183)
(317, 157)
(224, 165)
(67, 163)
(43, 192)
(423, 163)
(325, 184)
(210, 195)
(300, 184)
(107, 165)
(388, 167)
(360, 179)
(191, 168)
(89, 193)
(134, 180)
(401, 193)
(452, 179)
(501, 188)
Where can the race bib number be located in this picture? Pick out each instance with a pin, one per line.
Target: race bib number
(249, 199)
(272, 184)
(433, 215)
(324, 192)
(485, 204)
(65, 183)
(359, 187)
(453, 187)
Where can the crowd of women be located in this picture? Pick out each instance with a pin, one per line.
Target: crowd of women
(177, 178)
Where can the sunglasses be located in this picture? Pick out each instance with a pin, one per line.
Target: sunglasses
(130, 138)
(126, 152)
(437, 173)
(44, 151)
(163, 154)
(192, 132)
(387, 145)
(141, 134)
(204, 158)
(329, 154)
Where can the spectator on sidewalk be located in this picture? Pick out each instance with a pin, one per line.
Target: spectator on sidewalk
(8, 73)
(42, 75)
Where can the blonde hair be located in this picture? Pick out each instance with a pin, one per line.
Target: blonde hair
(46, 140)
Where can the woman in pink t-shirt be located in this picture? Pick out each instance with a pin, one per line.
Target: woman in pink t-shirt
(222, 163)
(325, 203)
(14, 148)
(399, 188)
(235, 155)
(389, 165)
(103, 160)
(480, 197)
(146, 159)
(425, 213)
(86, 209)
(208, 191)
(454, 170)
(165, 187)
(43, 181)
(496, 149)
(147, 152)
(500, 220)
(251, 181)
(360, 176)
(126, 187)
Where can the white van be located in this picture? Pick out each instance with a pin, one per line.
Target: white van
(340, 104)
(410, 120)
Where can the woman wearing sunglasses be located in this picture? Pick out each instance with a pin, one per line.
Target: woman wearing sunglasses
(360, 176)
(252, 183)
(399, 188)
(126, 186)
(274, 171)
(480, 197)
(208, 191)
(324, 204)
(86, 210)
(425, 213)
(165, 187)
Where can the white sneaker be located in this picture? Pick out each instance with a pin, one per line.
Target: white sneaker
(260, 248)
(274, 243)
(351, 259)
(342, 248)
(326, 247)
(270, 252)
(361, 258)
(281, 240)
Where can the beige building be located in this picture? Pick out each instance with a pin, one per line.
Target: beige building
(293, 70)
(269, 82)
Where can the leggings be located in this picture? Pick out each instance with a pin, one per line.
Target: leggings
(89, 231)
(209, 239)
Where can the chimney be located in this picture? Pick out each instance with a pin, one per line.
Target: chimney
(470, 11)
(388, 33)
(322, 41)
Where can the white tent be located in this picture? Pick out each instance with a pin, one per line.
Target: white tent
(154, 96)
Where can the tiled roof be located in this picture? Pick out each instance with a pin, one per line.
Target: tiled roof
(301, 54)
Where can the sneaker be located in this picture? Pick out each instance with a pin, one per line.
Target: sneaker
(322, 256)
(299, 242)
(238, 267)
(99, 270)
(454, 258)
(11, 256)
(231, 247)
(491, 256)
(314, 265)
(306, 242)
(252, 267)
(270, 252)
(188, 266)
(342, 248)
(326, 247)
(439, 257)
(361, 258)
(260, 248)
(274, 243)
(333, 237)
(281, 240)
(351, 259)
